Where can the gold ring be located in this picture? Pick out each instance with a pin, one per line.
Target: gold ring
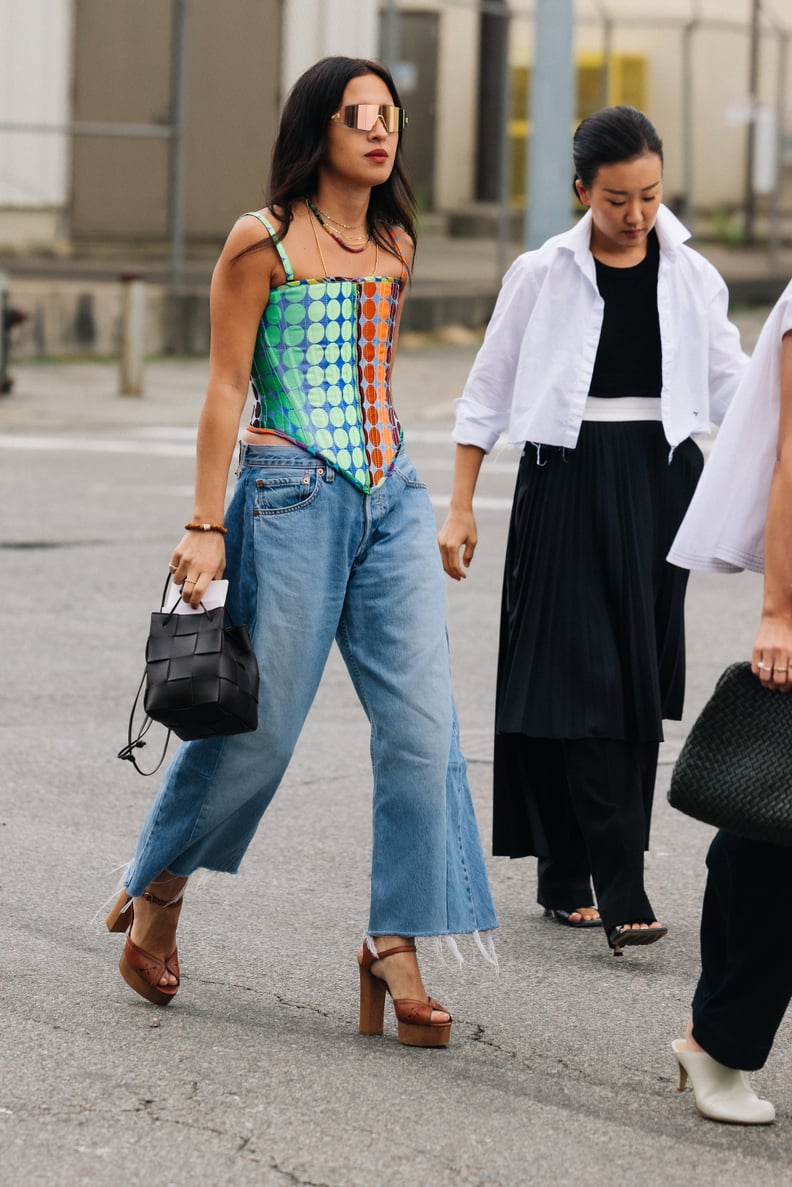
(172, 568)
(189, 581)
(765, 667)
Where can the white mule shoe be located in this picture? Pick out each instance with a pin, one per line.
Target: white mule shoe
(722, 1093)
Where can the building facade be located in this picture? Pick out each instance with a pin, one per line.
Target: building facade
(89, 89)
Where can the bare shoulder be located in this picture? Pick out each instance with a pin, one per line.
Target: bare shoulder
(249, 258)
(251, 231)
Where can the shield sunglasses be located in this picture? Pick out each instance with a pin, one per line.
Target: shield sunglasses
(363, 116)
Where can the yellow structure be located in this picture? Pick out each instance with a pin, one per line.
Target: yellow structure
(625, 81)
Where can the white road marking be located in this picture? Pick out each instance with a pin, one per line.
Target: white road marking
(70, 444)
(155, 442)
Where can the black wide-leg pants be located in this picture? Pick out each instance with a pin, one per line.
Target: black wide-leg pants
(589, 804)
(746, 975)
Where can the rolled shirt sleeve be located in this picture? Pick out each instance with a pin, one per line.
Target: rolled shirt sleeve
(484, 409)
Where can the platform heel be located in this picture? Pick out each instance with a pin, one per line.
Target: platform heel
(142, 970)
(416, 1027)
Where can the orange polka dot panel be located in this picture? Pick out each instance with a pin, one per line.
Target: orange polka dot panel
(321, 373)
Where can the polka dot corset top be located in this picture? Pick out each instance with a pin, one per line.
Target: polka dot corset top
(322, 369)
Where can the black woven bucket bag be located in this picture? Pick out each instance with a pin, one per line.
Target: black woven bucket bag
(201, 678)
(735, 768)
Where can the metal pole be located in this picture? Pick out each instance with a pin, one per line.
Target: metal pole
(749, 202)
(133, 333)
(549, 180)
(687, 124)
(607, 49)
(391, 34)
(493, 86)
(775, 242)
(178, 118)
(504, 197)
(5, 382)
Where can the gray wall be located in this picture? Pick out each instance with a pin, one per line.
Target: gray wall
(122, 68)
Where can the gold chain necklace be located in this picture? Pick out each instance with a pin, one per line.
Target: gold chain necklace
(319, 246)
(315, 211)
(336, 221)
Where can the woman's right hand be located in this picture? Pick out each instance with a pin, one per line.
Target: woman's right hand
(198, 559)
(458, 535)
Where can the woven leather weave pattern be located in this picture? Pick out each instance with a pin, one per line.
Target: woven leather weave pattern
(735, 768)
(201, 676)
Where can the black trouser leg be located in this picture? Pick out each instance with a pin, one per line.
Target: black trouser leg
(746, 975)
(611, 784)
(563, 876)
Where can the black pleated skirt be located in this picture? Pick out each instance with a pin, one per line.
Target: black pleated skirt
(592, 638)
(592, 641)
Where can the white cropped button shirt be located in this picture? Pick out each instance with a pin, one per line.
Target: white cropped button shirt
(533, 371)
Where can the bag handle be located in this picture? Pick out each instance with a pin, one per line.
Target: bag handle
(128, 752)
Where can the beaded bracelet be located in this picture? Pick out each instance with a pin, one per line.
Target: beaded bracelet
(206, 527)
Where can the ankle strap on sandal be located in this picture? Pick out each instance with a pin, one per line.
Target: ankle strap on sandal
(393, 951)
(160, 902)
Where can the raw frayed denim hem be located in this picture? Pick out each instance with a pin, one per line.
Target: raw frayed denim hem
(484, 941)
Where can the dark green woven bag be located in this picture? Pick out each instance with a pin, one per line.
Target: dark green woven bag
(735, 768)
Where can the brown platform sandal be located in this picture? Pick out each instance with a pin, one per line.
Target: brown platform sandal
(141, 970)
(414, 1017)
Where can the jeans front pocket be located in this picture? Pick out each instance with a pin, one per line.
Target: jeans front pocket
(407, 472)
(282, 489)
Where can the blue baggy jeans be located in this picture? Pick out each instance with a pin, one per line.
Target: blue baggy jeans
(312, 559)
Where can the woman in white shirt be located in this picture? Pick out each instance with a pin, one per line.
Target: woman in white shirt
(741, 518)
(609, 348)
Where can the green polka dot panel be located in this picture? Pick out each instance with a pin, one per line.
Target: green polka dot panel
(315, 341)
(294, 335)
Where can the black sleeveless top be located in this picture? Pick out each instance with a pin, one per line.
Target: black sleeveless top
(629, 358)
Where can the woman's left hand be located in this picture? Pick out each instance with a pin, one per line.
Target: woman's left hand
(771, 660)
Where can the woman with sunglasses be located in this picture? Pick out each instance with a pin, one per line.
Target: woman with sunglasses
(329, 536)
(609, 349)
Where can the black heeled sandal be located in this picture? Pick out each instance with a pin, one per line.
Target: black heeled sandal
(562, 916)
(624, 936)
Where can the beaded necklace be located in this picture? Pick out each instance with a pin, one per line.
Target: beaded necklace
(358, 250)
(324, 224)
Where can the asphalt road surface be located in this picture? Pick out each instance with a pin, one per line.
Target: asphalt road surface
(559, 1070)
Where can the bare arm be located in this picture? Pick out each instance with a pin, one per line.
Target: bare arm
(772, 651)
(240, 289)
(459, 533)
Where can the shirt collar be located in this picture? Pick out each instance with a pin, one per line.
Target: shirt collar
(670, 234)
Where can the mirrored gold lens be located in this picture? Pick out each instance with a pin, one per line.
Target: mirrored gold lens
(363, 116)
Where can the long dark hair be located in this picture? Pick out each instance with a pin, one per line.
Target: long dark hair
(609, 136)
(301, 142)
